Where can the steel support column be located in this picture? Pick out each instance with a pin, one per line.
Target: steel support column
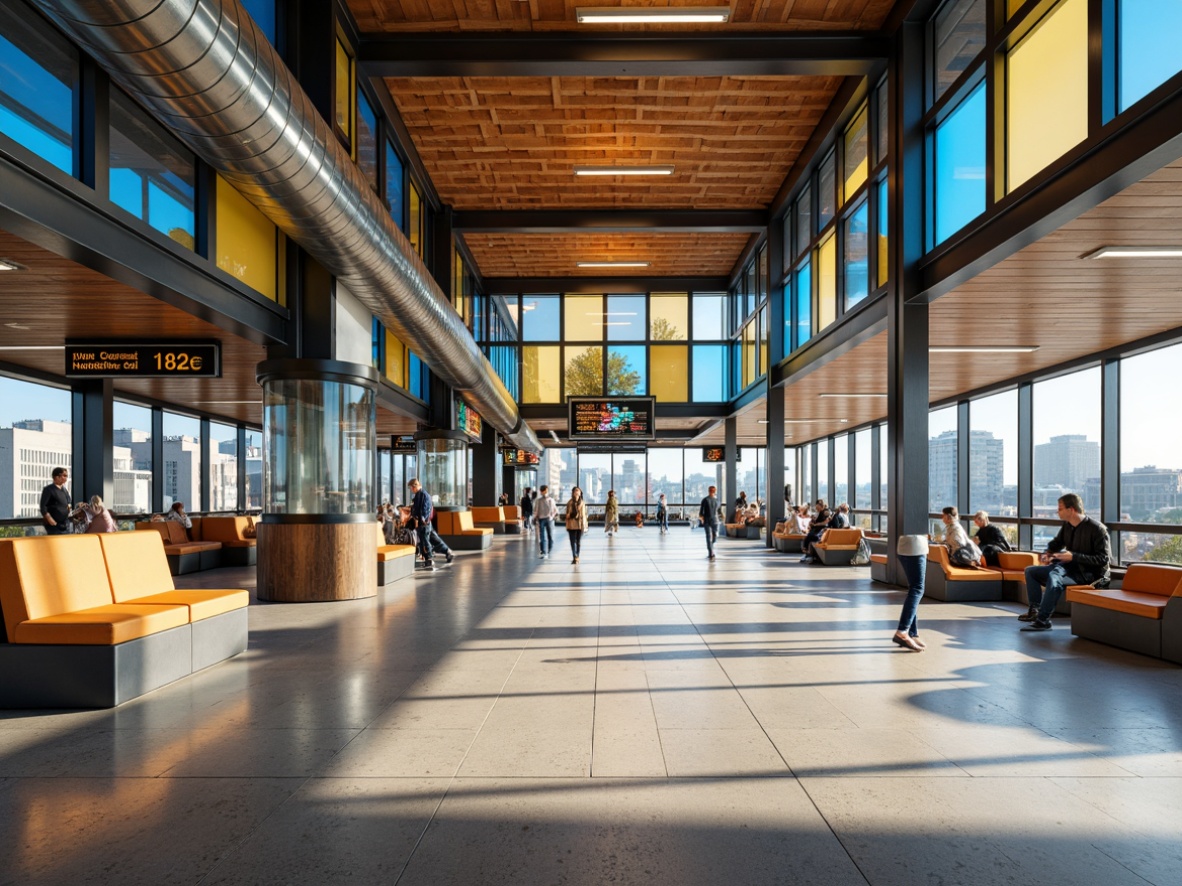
(730, 492)
(93, 470)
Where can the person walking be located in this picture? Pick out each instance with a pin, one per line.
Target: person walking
(663, 514)
(576, 521)
(912, 551)
(708, 517)
(56, 504)
(421, 510)
(611, 514)
(545, 510)
(527, 510)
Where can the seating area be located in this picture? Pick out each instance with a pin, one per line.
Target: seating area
(959, 584)
(742, 530)
(489, 518)
(394, 561)
(1144, 615)
(785, 541)
(183, 554)
(95, 620)
(838, 547)
(235, 534)
(458, 531)
(512, 519)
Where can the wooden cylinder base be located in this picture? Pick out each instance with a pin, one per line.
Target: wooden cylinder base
(316, 562)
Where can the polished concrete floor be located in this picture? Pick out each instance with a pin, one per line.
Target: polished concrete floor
(643, 718)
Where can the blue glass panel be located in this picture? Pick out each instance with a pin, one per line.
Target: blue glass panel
(788, 325)
(416, 376)
(710, 373)
(804, 302)
(36, 97)
(367, 140)
(1149, 50)
(960, 166)
(539, 318)
(857, 258)
(627, 318)
(627, 369)
(263, 13)
(394, 196)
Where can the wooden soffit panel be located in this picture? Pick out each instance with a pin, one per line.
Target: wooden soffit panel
(513, 142)
(393, 16)
(555, 255)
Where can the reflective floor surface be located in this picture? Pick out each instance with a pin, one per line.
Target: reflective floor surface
(644, 717)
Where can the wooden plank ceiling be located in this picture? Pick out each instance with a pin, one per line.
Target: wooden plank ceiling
(411, 16)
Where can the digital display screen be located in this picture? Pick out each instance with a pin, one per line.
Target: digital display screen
(143, 360)
(612, 418)
(718, 454)
(403, 443)
(519, 457)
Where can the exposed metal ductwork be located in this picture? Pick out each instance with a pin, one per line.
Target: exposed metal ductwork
(205, 70)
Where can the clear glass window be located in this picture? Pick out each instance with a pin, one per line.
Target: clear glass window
(942, 472)
(540, 318)
(584, 318)
(699, 477)
(960, 38)
(863, 474)
(804, 220)
(826, 191)
(223, 467)
(709, 317)
(856, 161)
(665, 475)
(151, 175)
(1150, 457)
(823, 472)
(841, 469)
(595, 479)
(1066, 444)
(38, 70)
(960, 166)
(857, 255)
(36, 435)
(182, 461)
(808, 493)
(626, 318)
(884, 123)
(627, 370)
(132, 453)
(993, 454)
(628, 479)
(1148, 49)
(1047, 92)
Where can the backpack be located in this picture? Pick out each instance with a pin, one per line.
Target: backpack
(968, 555)
(862, 555)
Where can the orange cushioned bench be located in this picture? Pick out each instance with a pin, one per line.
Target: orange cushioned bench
(239, 547)
(878, 568)
(95, 620)
(785, 541)
(458, 531)
(512, 519)
(837, 547)
(394, 561)
(1143, 615)
(184, 555)
(955, 584)
(489, 518)
(742, 530)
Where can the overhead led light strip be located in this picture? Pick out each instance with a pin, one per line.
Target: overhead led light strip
(624, 170)
(612, 264)
(984, 349)
(623, 15)
(7, 265)
(1136, 252)
(853, 396)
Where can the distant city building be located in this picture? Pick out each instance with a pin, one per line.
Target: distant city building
(29, 451)
(1145, 491)
(1068, 461)
(942, 470)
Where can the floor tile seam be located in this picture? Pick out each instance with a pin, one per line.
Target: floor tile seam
(237, 845)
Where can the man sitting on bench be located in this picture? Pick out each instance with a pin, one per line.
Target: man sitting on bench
(1079, 554)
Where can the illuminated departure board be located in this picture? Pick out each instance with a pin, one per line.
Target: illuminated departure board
(612, 418)
(718, 454)
(143, 360)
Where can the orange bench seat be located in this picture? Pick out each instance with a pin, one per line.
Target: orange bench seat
(1144, 615)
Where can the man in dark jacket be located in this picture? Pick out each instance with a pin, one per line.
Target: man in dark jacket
(1079, 554)
(708, 517)
(421, 509)
(56, 504)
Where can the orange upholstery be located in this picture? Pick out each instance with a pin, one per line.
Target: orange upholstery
(488, 514)
(1016, 560)
(391, 552)
(459, 523)
(102, 625)
(49, 576)
(840, 539)
(201, 603)
(878, 558)
(938, 554)
(230, 531)
(1145, 591)
(512, 512)
(176, 541)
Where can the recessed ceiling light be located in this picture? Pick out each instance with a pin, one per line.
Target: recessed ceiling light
(802, 421)
(852, 396)
(763, 421)
(1136, 252)
(32, 347)
(7, 264)
(612, 264)
(624, 15)
(984, 349)
(623, 170)
(225, 402)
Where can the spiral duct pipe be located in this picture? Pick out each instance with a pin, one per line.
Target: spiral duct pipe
(206, 71)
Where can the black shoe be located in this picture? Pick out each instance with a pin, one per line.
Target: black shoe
(1038, 625)
(430, 567)
(450, 556)
(1030, 615)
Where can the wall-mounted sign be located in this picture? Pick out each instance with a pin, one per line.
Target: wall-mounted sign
(718, 453)
(611, 418)
(468, 421)
(144, 360)
(403, 443)
(519, 458)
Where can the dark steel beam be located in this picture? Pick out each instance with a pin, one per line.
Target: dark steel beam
(497, 54)
(1122, 155)
(542, 221)
(509, 285)
(859, 326)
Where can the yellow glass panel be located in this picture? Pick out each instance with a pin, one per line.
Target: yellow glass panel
(584, 371)
(457, 291)
(415, 228)
(247, 241)
(669, 313)
(884, 265)
(541, 372)
(1013, 6)
(857, 157)
(1047, 92)
(748, 353)
(668, 378)
(763, 317)
(395, 367)
(344, 91)
(281, 239)
(584, 318)
(827, 282)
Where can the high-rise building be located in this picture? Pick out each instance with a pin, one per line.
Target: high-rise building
(942, 470)
(1068, 461)
(987, 473)
(1144, 491)
(29, 451)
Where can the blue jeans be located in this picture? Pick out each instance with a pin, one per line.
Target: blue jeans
(1054, 577)
(545, 534)
(915, 568)
(711, 536)
(663, 520)
(576, 540)
(429, 542)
